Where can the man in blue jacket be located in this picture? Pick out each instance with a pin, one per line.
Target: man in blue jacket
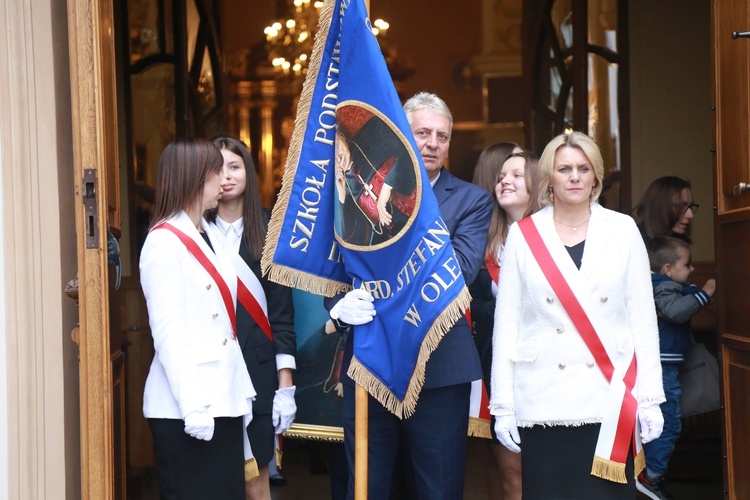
(436, 432)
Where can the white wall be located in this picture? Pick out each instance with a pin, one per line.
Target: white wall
(670, 100)
(39, 417)
(4, 452)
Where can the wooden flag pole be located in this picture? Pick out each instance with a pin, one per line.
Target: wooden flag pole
(360, 444)
(360, 424)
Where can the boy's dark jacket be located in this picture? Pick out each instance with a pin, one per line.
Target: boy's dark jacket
(675, 305)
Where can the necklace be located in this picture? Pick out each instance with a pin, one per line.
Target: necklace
(575, 228)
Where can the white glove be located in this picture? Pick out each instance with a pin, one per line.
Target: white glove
(200, 425)
(284, 409)
(355, 308)
(652, 422)
(249, 416)
(506, 430)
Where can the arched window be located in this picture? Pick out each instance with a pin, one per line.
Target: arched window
(577, 65)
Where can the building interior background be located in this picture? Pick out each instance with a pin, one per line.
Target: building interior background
(510, 70)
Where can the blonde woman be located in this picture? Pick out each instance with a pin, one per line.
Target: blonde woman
(575, 310)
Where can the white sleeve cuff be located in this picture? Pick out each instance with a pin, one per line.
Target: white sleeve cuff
(285, 361)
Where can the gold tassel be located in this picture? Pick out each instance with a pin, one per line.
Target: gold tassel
(479, 428)
(251, 469)
(639, 463)
(376, 389)
(609, 470)
(279, 455)
(297, 279)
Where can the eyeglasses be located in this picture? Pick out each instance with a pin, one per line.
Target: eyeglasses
(683, 207)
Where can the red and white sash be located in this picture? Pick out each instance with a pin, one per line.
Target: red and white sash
(479, 411)
(250, 464)
(204, 261)
(480, 420)
(250, 294)
(620, 428)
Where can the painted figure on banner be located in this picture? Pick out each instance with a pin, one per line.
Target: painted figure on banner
(376, 177)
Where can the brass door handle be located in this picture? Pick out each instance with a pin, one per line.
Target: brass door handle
(742, 187)
(740, 34)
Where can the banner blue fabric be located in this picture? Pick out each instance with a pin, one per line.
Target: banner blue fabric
(357, 210)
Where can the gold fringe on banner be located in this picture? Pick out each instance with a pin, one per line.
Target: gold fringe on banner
(479, 427)
(251, 469)
(609, 470)
(276, 272)
(376, 389)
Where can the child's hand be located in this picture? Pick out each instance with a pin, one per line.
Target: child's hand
(710, 287)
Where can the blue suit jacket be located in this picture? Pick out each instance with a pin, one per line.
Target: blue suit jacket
(466, 210)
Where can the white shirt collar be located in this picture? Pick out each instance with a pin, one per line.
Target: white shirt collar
(434, 181)
(225, 227)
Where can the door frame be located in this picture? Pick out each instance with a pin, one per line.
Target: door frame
(91, 48)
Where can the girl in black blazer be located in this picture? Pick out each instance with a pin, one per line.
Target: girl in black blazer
(266, 333)
(511, 176)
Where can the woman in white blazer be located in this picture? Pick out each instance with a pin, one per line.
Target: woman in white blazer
(198, 393)
(576, 365)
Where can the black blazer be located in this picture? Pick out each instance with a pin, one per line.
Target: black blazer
(483, 316)
(257, 349)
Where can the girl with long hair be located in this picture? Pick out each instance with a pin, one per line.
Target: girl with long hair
(265, 329)
(512, 177)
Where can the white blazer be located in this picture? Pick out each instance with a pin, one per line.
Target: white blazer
(541, 367)
(197, 362)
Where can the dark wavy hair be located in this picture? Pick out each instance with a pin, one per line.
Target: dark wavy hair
(184, 166)
(254, 232)
(656, 213)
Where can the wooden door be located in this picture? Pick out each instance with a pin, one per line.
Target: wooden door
(731, 97)
(96, 180)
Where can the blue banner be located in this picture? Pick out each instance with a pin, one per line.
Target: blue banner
(357, 210)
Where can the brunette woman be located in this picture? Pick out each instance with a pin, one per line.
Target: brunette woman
(513, 178)
(266, 332)
(667, 209)
(198, 395)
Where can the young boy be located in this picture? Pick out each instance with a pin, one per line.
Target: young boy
(677, 300)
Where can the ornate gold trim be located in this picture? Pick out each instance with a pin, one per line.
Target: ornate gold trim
(316, 433)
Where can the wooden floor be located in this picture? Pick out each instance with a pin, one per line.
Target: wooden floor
(696, 473)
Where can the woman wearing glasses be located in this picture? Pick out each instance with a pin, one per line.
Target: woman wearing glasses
(667, 209)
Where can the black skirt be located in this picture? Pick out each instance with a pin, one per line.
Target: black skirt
(193, 469)
(261, 435)
(556, 464)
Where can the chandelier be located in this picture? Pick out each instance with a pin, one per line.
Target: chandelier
(290, 42)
